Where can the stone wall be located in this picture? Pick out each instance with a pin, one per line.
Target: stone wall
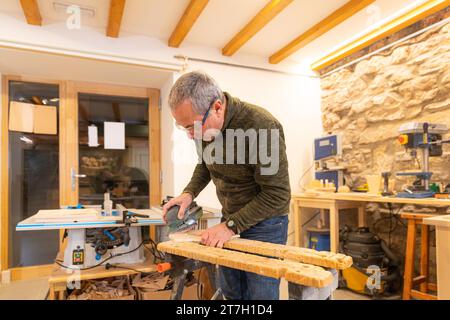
(368, 101)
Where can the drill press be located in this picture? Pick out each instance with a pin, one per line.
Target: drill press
(426, 137)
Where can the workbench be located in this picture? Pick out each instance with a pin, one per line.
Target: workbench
(310, 274)
(336, 201)
(61, 278)
(442, 224)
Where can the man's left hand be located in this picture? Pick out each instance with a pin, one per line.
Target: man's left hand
(216, 236)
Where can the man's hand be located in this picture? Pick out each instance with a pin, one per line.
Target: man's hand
(216, 236)
(184, 200)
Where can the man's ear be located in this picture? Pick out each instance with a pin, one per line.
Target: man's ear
(218, 106)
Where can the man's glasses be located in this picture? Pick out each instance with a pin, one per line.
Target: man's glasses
(191, 127)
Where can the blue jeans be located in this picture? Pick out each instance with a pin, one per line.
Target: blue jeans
(241, 285)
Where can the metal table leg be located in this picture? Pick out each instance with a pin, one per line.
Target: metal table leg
(299, 292)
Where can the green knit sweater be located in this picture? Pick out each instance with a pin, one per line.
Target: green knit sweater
(247, 193)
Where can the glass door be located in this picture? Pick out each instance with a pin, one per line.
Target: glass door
(119, 169)
(32, 159)
(116, 146)
(48, 168)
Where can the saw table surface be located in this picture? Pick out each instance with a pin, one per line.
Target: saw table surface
(84, 218)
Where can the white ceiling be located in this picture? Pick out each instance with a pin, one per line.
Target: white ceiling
(222, 19)
(49, 66)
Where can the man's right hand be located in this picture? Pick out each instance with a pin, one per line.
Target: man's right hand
(184, 200)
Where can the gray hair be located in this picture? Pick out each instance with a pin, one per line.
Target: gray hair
(199, 88)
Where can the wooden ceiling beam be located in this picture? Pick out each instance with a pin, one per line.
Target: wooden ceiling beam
(270, 11)
(190, 15)
(31, 11)
(116, 10)
(422, 11)
(337, 17)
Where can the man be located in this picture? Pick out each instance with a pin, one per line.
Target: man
(254, 193)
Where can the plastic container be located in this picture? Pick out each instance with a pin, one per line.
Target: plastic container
(107, 205)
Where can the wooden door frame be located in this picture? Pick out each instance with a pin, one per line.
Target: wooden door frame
(68, 152)
(71, 138)
(19, 273)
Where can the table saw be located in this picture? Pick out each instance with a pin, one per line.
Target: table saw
(94, 239)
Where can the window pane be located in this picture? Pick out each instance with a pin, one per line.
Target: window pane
(122, 173)
(33, 180)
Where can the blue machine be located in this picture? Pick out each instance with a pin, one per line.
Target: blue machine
(325, 148)
(426, 137)
(319, 239)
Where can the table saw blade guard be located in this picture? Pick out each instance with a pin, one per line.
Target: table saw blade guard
(80, 254)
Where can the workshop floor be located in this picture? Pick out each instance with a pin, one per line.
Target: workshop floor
(36, 289)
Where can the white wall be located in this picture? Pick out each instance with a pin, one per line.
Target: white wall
(294, 100)
(1, 189)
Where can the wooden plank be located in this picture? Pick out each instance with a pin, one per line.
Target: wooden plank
(116, 9)
(407, 19)
(295, 272)
(62, 160)
(27, 273)
(439, 220)
(270, 11)
(423, 296)
(419, 280)
(337, 17)
(304, 255)
(4, 217)
(69, 150)
(443, 262)
(190, 15)
(280, 251)
(31, 11)
(111, 89)
(364, 197)
(416, 216)
(154, 146)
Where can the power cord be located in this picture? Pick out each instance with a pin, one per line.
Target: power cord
(317, 213)
(157, 255)
(102, 262)
(304, 174)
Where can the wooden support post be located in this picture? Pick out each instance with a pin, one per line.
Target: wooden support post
(409, 259)
(334, 227)
(51, 293)
(297, 226)
(424, 255)
(362, 216)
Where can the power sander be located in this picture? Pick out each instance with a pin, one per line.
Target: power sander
(190, 219)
